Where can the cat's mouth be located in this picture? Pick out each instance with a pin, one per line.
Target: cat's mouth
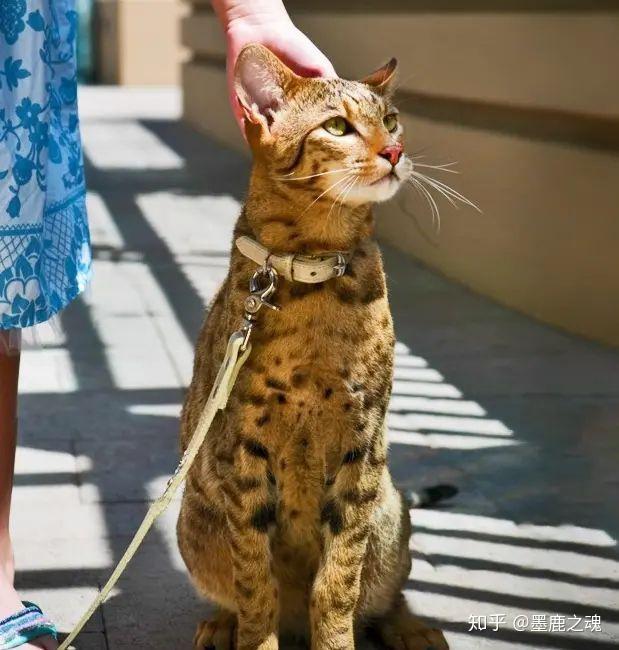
(386, 178)
(375, 191)
(370, 189)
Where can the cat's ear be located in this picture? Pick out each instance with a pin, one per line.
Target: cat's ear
(382, 80)
(261, 82)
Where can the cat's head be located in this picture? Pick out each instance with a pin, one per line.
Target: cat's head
(331, 138)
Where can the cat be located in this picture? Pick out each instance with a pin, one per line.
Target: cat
(290, 521)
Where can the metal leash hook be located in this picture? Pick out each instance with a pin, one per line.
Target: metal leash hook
(262, 286)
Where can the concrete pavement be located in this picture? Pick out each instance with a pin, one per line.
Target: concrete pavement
(523, 418)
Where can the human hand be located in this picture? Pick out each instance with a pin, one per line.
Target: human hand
(276, 31)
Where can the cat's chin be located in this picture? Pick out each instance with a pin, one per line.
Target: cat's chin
(377, 192)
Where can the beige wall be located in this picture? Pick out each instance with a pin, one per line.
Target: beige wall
(138, 41)
(527, 103)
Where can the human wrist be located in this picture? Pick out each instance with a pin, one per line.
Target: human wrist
(240, 14)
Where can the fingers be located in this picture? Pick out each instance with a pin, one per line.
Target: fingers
(301, 55)
(291, 45)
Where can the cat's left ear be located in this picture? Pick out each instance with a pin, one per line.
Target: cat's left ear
(262, 82)
(382, 80)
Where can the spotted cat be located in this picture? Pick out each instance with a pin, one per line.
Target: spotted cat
(290, 522)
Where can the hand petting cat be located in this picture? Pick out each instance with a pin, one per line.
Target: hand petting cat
(267, 22)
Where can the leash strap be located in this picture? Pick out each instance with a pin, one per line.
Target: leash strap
(298, 268)
(236, 354)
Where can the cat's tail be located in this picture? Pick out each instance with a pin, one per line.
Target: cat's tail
(431, 496)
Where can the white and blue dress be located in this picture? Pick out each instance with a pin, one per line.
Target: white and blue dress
(44, 241)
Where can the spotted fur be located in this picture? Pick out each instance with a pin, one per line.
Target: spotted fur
(290, 522)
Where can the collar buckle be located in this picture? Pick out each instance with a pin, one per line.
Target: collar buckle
(340, 267)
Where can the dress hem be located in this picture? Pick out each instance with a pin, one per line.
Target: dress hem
(53, 313)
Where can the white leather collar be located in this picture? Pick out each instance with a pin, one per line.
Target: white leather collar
(310, 269)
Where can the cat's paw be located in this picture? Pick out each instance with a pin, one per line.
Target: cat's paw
(419, 637)
(400, 630)
(217, 633)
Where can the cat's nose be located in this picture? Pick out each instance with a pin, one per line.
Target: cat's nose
(392, 153)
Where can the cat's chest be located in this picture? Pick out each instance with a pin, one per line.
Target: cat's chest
(320, 368)
(321, 337)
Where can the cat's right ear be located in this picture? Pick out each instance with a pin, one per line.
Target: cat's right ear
(261, 81)
(382, 80)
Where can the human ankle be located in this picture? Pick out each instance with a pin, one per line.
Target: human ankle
(7, 563)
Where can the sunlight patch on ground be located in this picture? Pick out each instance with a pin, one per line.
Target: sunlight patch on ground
(196, 231)
(446, 441)
(448, 406)
(521, 556)
(502, 582)
(104, 232)
(103, 102)
(127, 145)
(424, 411)
(425, 389)
(525, 574)
(417, 374)
(132, 324)
(458, 610)
(141, 313)
(415, 422)
(47, 371)
(30, 460)
(454, 521)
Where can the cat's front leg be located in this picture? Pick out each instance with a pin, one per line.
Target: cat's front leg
(250, 511)
(346, 524)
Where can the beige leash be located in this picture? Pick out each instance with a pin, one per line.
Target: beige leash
(262, 286)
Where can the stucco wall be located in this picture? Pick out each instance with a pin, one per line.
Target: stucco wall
(137, 42)
(525, 97)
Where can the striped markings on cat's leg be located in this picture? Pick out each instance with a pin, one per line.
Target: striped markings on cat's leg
(250, 512)
(345, 517)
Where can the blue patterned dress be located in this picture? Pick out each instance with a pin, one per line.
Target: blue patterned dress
(44, 240)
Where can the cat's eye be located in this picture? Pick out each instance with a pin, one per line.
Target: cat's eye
(391, 122)
(337, 126)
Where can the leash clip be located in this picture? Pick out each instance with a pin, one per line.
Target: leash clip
(261, 286)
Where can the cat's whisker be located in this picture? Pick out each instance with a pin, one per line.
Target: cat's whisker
(420, 156)
(349, 190)
(439, 190)
(337, 198)
(345, 192)
(441, 168)
(452, 200)
(347, 177)
(431, 202)
(341, 193)
(303, 178)
(445, 189)
(423, 192)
